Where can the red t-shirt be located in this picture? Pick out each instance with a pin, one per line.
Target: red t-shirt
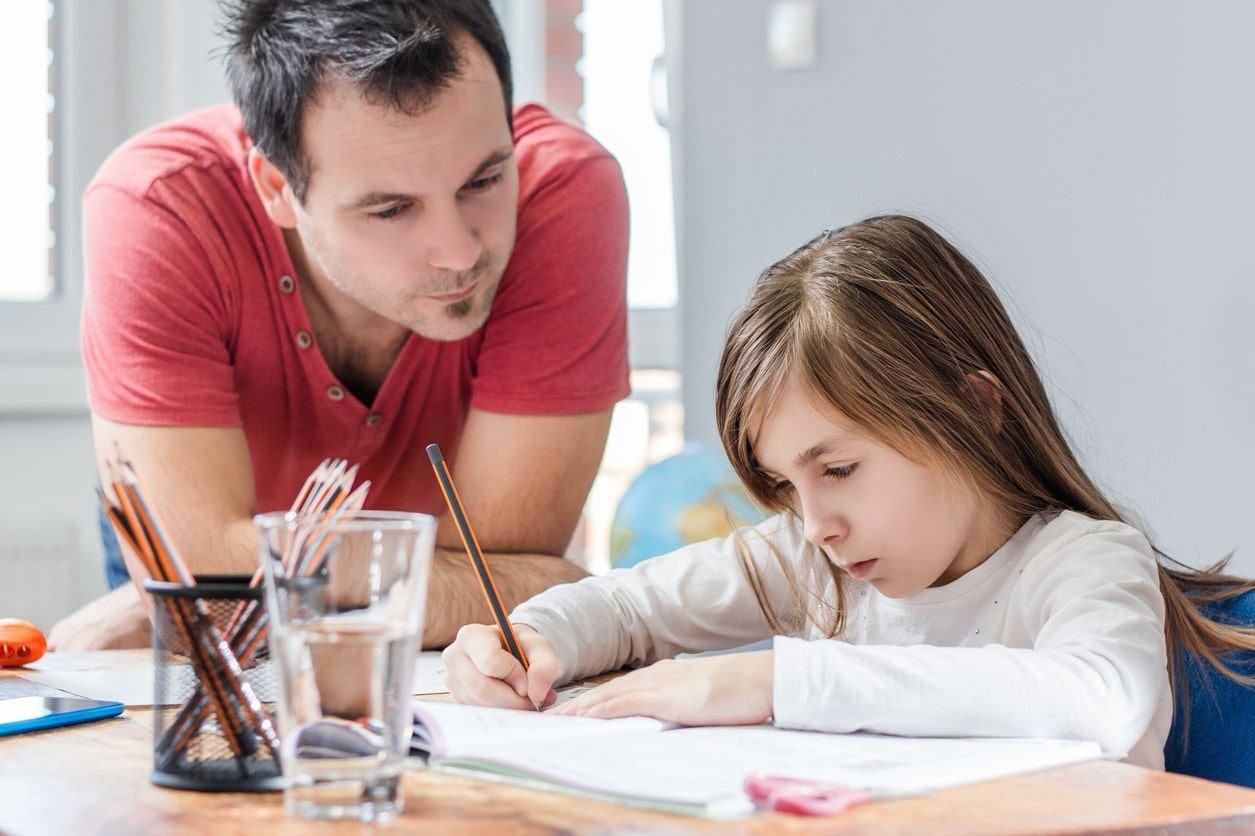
(192, 317)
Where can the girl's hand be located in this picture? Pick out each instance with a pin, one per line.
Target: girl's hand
(479, 670)
(727, 690)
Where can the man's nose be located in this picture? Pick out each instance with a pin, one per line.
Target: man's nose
(453, 244)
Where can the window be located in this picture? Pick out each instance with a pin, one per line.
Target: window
(101, 70)
(27, 220)
(598, 62)
(55, 145)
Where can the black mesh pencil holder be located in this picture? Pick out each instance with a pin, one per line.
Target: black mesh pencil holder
(211, 728)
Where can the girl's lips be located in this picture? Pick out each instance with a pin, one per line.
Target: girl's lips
(861, 569)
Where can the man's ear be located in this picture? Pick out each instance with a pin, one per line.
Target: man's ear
(985, 391)
(272, 187)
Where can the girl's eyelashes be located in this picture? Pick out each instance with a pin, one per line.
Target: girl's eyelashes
(782, 488)
(842, 472)
(774, 485)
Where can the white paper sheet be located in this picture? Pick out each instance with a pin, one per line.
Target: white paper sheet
(134, 686)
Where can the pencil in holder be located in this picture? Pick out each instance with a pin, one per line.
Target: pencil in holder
(211, 730)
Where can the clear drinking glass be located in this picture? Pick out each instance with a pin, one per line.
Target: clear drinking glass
(345, 596)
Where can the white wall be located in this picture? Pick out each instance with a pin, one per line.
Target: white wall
(1095, 156)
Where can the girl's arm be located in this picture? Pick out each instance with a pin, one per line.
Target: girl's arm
(1082, 656)
(694, 599)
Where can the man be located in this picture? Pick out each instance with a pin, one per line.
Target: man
(373, 253)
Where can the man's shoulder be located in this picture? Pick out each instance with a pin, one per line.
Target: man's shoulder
(542, 139)
(560, 164)
(212, 138)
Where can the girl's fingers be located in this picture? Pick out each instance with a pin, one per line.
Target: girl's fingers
(543, 667)
(592, 703)
(468, 685)
(478, 669)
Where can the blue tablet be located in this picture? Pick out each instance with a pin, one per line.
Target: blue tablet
(23, 714)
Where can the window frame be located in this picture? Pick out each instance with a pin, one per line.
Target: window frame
(653, 333)
(40, 369)
(122, 66)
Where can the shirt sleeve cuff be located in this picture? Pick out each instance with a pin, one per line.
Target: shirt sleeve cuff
(812, 687)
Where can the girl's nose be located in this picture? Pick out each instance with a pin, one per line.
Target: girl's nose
(821, 525)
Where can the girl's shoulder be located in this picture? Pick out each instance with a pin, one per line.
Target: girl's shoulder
(1071, 540)
(1073, 526)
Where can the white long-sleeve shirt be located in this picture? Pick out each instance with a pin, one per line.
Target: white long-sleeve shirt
(1058, 634)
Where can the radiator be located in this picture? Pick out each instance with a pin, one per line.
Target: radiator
(39, 570)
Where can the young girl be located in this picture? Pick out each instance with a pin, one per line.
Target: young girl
(940, 564)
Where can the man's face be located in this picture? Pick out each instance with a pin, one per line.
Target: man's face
(411, 217)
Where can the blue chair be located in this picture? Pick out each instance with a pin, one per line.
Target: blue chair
(1218, 741)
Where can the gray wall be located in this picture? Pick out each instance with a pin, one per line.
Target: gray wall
(1096, 157)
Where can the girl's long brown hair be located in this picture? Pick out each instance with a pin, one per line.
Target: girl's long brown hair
(888, 323)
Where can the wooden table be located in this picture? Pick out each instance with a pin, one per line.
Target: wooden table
(93, 779)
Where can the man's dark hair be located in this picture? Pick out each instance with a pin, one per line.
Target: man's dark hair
(403, 52)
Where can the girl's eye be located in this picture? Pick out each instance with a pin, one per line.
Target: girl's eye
(843, 472)
(389, 213)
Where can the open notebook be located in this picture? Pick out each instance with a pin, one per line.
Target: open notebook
(701, 770)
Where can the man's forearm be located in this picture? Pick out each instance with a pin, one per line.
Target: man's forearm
(115, 620)
(454, 596)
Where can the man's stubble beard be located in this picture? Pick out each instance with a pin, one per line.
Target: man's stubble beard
(463, 308)
(477, 306)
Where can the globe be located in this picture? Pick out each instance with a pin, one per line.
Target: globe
(687, 498)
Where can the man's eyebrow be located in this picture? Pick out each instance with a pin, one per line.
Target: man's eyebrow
(496, 158)
(376, 199)
(379, 198)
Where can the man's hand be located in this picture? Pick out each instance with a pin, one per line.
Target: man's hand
(209, 517)
(115, 620)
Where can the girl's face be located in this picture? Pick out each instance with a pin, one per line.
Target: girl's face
(900, 525)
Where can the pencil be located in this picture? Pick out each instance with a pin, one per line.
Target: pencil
(240, 713)
(477, 558)
(327, 488)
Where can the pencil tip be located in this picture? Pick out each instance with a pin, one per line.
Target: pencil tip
(433, 453)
